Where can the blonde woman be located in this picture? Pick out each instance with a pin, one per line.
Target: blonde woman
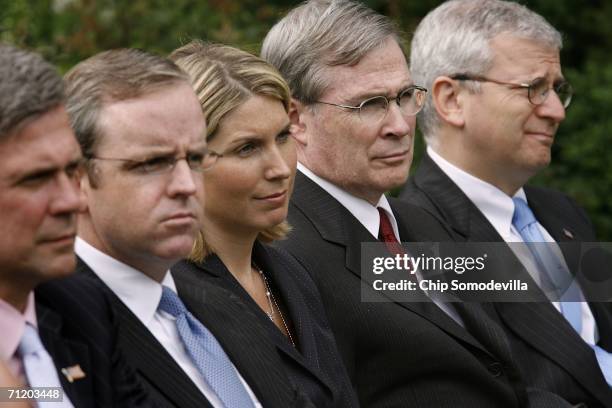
(245, 102)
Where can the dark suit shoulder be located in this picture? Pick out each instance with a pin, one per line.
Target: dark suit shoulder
(85, 324)
(419, 224)
(558, 202)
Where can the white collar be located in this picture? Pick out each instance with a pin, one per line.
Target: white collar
(496, 205)
(366, 213)
(137, 291)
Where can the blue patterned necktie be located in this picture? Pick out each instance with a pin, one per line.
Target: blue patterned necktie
(554, 275)
(206, 353)
(38, 366)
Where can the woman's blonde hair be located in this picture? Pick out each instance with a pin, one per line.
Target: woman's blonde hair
(223, 78)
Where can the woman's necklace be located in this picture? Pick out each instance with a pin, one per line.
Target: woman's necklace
(272, 303)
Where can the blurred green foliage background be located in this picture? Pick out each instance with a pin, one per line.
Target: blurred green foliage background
(67, 31)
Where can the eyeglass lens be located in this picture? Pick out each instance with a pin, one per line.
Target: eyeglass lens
(539, 91)
(410, 102)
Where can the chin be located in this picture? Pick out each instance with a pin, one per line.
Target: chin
(393, 180)
(175, 248)
(60, 266)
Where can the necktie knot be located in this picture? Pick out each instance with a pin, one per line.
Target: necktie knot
(523, 216)
(170, 302)
(385, 231)
(30, 342)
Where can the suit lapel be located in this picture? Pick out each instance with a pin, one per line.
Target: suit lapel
(295, 303)
(232, 323)
(454, 206)
(148, 356)
(538, 324)
(337, 225)
(569, 240)
(66, 353)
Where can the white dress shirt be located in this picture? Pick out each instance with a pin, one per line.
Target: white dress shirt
(368, 216)
(366, 213)
(498, 209)
(141, 295)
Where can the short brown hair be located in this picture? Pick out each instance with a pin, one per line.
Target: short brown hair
(112, 76)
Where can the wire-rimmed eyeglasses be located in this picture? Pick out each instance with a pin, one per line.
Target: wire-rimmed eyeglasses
(537, 90)
(410, 101)
(197, 161)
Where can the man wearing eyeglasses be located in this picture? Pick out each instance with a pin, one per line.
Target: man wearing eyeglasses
(498, 96)
(141, 131)
(353, 119)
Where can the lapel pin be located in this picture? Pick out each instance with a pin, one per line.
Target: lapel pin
(73, 373)
(568, 233)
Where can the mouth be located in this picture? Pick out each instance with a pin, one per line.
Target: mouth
(544, 137)
(277, 197)
(397, 156)
(64, 239)
(179, 219)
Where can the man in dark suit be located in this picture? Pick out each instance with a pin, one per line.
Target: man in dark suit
(497, 98)
(141, 128)
(39, 201)
(353, 118)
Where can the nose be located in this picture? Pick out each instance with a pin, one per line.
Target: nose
(183, 180)
(276, 165)
(396, 124)
(552, 108)
(67, 200)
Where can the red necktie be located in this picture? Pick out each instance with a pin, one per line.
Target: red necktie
(386, 234)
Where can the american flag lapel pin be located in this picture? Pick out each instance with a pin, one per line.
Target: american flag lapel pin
(73, 373)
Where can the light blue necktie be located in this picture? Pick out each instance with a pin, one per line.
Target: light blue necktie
(206, 353)
(38, 365)
(554, 275)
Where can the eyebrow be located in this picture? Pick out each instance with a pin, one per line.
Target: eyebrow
(252, 136)
(367, 95)
(44, 170)
(163, 151)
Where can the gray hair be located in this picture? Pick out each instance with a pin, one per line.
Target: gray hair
(455, 38)
(29, 87)
(113, 76)
(320, 34)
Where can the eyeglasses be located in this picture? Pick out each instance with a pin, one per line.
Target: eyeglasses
(410, 101)
(537, 90)
(197, 161)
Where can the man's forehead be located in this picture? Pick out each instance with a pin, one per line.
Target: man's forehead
(381, 71)
(147, 122)
(518, 53)
(31, 151)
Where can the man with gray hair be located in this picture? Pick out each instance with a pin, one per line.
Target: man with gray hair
(498, 96)
(39, 201)
(353, 118)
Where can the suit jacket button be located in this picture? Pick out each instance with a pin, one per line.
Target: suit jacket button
(496, 369)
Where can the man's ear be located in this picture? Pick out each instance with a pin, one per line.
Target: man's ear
(449, 100)
(297, 112)
(84, 186)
